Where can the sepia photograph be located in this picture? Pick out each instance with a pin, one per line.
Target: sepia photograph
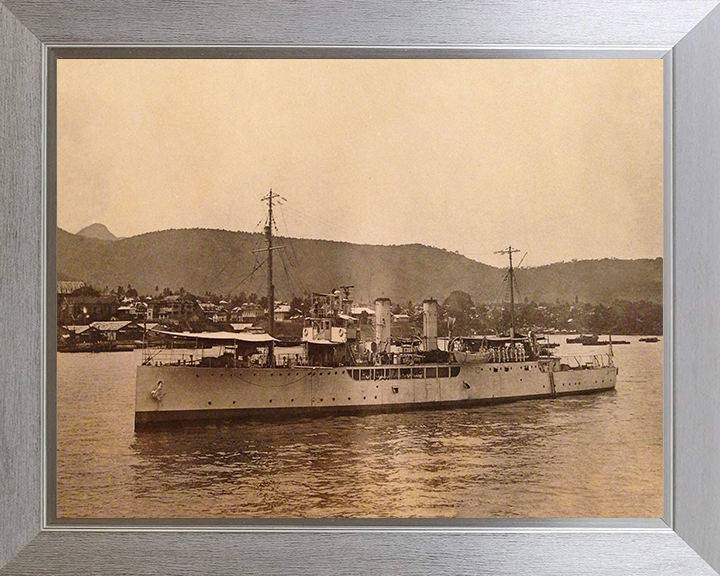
(392, 288)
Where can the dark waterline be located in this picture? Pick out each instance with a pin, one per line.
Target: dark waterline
(582, 456)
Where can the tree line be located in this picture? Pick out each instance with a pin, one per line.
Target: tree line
(459, 314)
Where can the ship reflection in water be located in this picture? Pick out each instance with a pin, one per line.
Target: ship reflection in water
(576, 456)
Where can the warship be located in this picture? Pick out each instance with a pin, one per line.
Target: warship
(341, 368)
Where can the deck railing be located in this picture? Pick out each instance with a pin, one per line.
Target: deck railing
(579, 362)
(216, 356)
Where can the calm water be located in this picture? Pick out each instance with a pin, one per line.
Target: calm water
(585, 456)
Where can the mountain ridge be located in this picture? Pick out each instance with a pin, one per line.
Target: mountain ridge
(97, 230)
(221, 261)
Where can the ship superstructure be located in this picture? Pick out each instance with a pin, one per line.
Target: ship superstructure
(341, 367)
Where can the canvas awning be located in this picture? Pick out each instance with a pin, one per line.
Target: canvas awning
(225, 337)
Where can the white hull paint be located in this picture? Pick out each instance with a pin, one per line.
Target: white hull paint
(167, 393)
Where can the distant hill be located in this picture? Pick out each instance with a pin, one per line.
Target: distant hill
(98, 231)
(218, 261)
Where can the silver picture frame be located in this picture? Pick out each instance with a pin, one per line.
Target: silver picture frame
(685, 33)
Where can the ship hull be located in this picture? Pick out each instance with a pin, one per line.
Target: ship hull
(182, 393)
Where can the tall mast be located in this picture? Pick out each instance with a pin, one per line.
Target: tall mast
(509, 251)
(270, 286)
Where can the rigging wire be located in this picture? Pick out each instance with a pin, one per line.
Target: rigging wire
(312, 259)
(292, 282)
(235, 254)
(291, 278)
(255, 269)
(296, 274)
(501, 288)
(317, 220)
(293, 264)
(516, 283)
(292, 245)
(517, 289)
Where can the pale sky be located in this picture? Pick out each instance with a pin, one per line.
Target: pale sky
(561, 158)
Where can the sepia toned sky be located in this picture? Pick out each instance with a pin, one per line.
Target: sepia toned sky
(561, 158)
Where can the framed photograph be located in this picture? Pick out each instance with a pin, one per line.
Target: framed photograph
(614, 105)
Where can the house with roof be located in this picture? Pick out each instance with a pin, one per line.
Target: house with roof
(171, 309)
(119, 330)
(86, 309)
(164, 314)
(125, 313)
(77, 333)
(363, 313)
(251, 312)
(282, 312)
(213, 312)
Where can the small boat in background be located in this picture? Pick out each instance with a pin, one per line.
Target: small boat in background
(586, 339)
(594, 340)
(96, 347)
